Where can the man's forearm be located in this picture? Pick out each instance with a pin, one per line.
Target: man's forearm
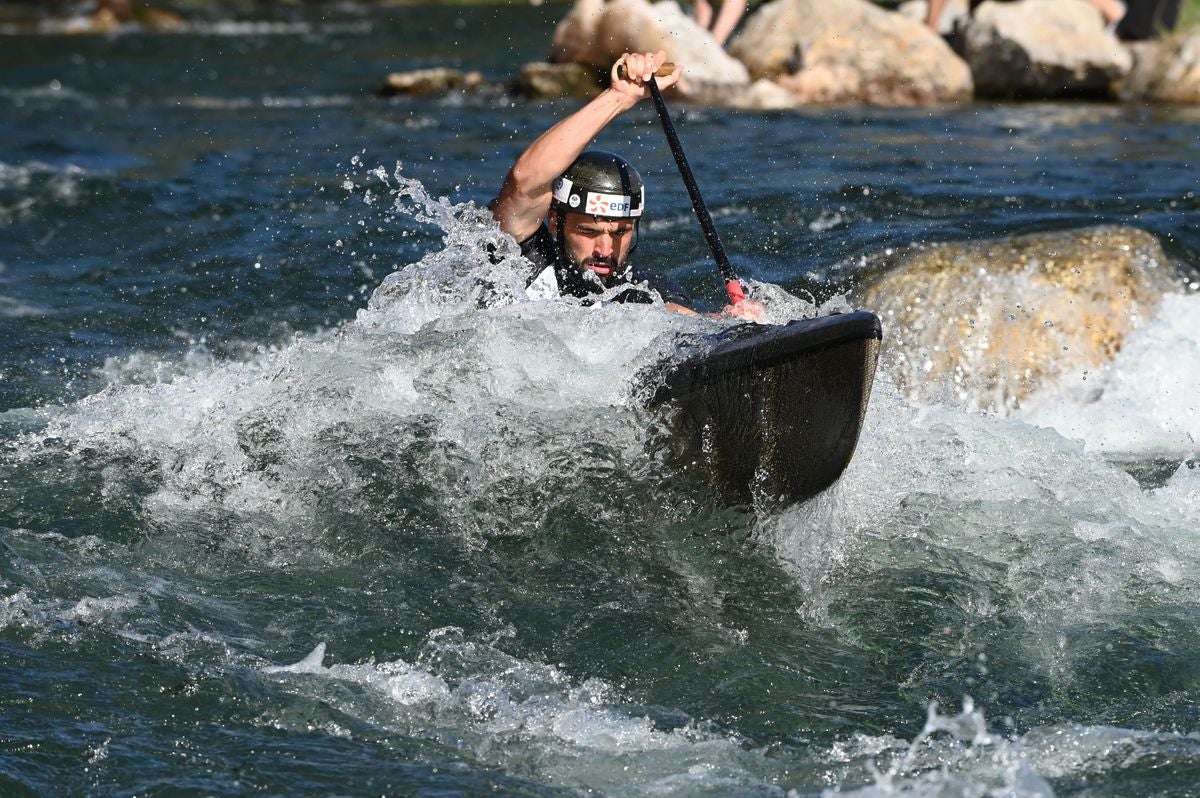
(556, 149)
(525, 196)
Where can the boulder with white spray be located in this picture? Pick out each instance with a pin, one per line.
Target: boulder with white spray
(994, 321)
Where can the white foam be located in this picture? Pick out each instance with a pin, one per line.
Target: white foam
(19, 609)
(16, 309)
(829, 220)
(36, 185)
(1097, 752)
(1080, 540)
(229, 27)
(529, 718)
(268, 28)
(952, 755)
(314, 662)
(92, 609)
(25, 609)
(22, 176)
(1147, 401)
(52, 92)
(1179, 499)
(450, 355)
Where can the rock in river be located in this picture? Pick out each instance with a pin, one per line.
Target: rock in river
(1042, 48)
(437, 80)
(1165, 70)
(559, 80)
(994, 321)
(595, 33)
(850, 51)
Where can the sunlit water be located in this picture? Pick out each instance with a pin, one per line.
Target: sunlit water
(300, 494)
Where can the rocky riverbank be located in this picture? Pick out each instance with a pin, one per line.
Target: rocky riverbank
(796, 52)
(789, 53)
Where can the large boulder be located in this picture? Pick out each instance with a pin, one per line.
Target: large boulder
(993, 321)
(1165, 70)
(595, 33)
(1033, 49)
(574, 40)
(850, 51)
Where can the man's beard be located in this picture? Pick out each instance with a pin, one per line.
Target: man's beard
(616, 272)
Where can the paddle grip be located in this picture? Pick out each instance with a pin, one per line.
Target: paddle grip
(666, 69)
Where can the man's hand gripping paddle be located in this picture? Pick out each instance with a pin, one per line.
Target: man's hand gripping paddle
(733, 286)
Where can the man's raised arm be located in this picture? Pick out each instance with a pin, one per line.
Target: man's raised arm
(525, 196)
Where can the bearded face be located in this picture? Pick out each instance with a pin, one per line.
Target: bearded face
(597, 245)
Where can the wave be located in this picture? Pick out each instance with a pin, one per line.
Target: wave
(1146, 402)
(23, 176)
(269, 28)
(52, 92)
(450, 364)
(16, 309)
(28, 189)
(268, 101)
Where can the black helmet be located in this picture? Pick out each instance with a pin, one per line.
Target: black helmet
(601, 184)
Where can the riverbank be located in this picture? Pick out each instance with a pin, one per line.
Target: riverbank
(785, 54)
(793, 53)
(29, 13)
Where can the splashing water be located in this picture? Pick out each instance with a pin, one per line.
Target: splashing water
(457, 438)
(451, 376)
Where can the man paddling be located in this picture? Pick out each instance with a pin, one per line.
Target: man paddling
(575, 213)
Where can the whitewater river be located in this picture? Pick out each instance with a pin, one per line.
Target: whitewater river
(290, 506)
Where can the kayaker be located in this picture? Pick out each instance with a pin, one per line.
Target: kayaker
(575, 214)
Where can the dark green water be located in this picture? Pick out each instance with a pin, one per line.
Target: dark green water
(216, 459)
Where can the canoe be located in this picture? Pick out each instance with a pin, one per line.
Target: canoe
(771, 413)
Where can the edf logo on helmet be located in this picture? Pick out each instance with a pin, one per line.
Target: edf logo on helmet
(609, 204)
(600, 204)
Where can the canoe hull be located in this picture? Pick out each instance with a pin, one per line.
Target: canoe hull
(772, 413)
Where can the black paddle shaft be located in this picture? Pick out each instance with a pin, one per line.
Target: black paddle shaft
(689, 180)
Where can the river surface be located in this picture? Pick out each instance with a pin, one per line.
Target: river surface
(288, 506)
